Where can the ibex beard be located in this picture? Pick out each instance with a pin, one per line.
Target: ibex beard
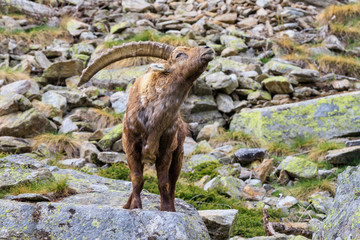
(153, 129)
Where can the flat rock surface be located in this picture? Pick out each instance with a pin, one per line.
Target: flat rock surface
(95, 212)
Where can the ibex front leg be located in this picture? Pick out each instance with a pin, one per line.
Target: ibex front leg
(137, 179)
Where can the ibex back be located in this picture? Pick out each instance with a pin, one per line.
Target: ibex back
(153, 129)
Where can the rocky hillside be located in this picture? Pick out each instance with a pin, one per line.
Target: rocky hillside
(274, 120)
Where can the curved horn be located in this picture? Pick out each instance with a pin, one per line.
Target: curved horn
(126, 50)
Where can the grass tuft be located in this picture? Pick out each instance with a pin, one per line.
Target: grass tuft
(304, 188)
(319, 150)
(116, 171)
(341, 12)
(10, 75)
(238, 136)
(56, 188)
(344, 65)
(278, 149)
(58, 144)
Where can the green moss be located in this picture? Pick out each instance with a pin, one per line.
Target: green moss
(112, 136)
(207, 168)
(116, 171)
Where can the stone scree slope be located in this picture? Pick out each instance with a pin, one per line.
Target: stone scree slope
(328, 117)
(95, 212)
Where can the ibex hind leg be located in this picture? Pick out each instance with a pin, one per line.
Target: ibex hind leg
(137, 179)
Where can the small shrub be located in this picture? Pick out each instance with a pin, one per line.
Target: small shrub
(302, 143)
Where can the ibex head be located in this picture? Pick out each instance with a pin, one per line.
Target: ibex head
(187, 62)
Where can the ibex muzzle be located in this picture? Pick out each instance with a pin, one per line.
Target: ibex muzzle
(153, 129)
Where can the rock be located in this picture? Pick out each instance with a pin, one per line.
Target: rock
(262, 3)
(18, 87)
(89, 152)
(111, 157)
(13, 103)
(74, 98)
(68, 126)
(298, 168)
(278, 85)
(55, 100)
(227, 18)
(29, 197)
(118, 28)
(41, 59)
(248, 83)
(341, 85)
(314, 224)
(112, 136)
(46, 109)
(135, 5)
(14, 145)
(119, 101)
(208, 132)
(218, 80)
(101, 197)
(189, 146)
(320, 117)
(287, 202)
(343, 217)
(321, 201)
(230, 185)
(333, 43)
(246, 156)
(344, 156)
(76, 27)
(196, 104)
(74, 162)
(112, 78)
(278, 67)
(229, 170)
(229, 51)
(352, 143)
(60, 70)
(82, 48)
(264, 169)
(233, 42)
(220, 223)
(25, 124)
(259, 95)
(305, 75)
(253, 193)
(224, 103)
(324, 173)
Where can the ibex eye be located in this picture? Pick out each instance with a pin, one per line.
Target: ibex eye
(180, 55)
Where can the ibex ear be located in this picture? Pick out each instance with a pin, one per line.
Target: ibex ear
(159, 67)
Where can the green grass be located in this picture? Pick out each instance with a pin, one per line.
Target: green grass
(58, 187)
(207, 168)
(4, 154)
(302, 143)
(278, 149)
(116, 171)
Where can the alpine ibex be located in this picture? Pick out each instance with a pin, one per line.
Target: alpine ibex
(153, 129)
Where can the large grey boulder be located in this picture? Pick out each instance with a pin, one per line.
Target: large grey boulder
(55, 100)
(18, 87)
(25, 124)
(343, 219)
(95, 212)
(326, 117)
(60, 70)
(298, 167)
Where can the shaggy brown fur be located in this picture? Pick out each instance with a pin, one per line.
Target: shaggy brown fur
(153, 129)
